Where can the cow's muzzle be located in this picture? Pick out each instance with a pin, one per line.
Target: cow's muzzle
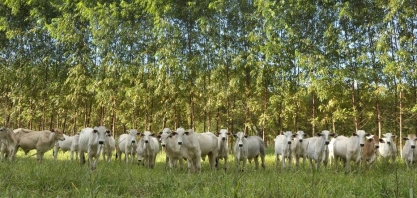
(389, 143)
(133, 141)
(240, 145)
(362, 145)
(223, 138)
(413, 146)
(377, 146)
(301, 140)
(289, 142)
(146, 141)
(163, 145)
(327, 142)
(101, 142)
(179, 143)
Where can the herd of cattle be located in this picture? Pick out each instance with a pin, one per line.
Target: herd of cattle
(181, 144)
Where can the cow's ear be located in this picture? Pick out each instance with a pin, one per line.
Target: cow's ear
(368, 134)
(95, 131)
(158, 136)
(354, 134)
(394, 136)
(294, 135)
(405, 138)
(217, 134)
(173, 133)
(369, 140)
(141, 134)
(381, 140)
(318, 134)
(306, 135)
(228, 133)
(160, 133)
(186, 133)
(246, 136)
(152, 134)
(332, 134)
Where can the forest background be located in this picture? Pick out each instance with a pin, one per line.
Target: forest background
(210, 64)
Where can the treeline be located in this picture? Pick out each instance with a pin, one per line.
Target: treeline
(210, 64)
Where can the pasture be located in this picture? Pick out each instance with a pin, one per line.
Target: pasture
(25, 177)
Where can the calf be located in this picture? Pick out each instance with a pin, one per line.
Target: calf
(127, 145)
(223, 150)
(283, 148)
(388, 150)
(370, 149)
(297, 149)
(42, 141)
(317, 148)
(248, 148)
(69, 144)
(148, 149)
(409, 153)
(172, 148)
(109, 147)
(91, 142)
(349, 149)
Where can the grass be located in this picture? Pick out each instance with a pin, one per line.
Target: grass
(25, 177)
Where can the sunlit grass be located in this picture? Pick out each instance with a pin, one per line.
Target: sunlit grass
(25, 177)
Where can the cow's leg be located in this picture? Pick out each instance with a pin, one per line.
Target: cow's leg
(256, 162)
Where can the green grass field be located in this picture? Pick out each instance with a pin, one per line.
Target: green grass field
(25, 177)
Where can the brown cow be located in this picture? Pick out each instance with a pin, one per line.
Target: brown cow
(42, 141)
(370, 149)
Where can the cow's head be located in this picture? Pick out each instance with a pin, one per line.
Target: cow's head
(58, 134)
(411, 140)
(389, 138)
(131, 138)
(240, 136)
(181, 134)
(101, 131)
(325, 134)
(300, 135)
(361, 134)
(223, 133)
(289, 136)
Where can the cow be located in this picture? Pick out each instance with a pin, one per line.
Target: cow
(196, 146)
(126, 143)
(41, 141)
(349, 148)
(283, 148)
(172, 149)
(223, 150)
(69, 144)
(150, 148)
(109, 147)
(248, 148)
(409, 153)
(297, 149)
(8, 143)
(370, 149)
(91, 142)
(388, 150)
(317, 148)
(331, 149)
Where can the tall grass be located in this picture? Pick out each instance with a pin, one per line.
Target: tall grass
(25, 177)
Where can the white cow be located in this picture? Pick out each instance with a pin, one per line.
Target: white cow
(172, 149)
(317, 148)
(91, 142)
(248, 148)
(196, 146)
(388, 150)
(8, 143)
(409, 153)
(331, 150)
(42, 141)
(69, 144)
(349, 149)
(149, 148)
(223, 151)
(108, 147)
(283, 148)
(297, 149)
(127, 145)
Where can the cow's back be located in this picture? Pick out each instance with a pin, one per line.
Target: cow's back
(256, 146)
(208, 142)
(340, 146)
(85, 136)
